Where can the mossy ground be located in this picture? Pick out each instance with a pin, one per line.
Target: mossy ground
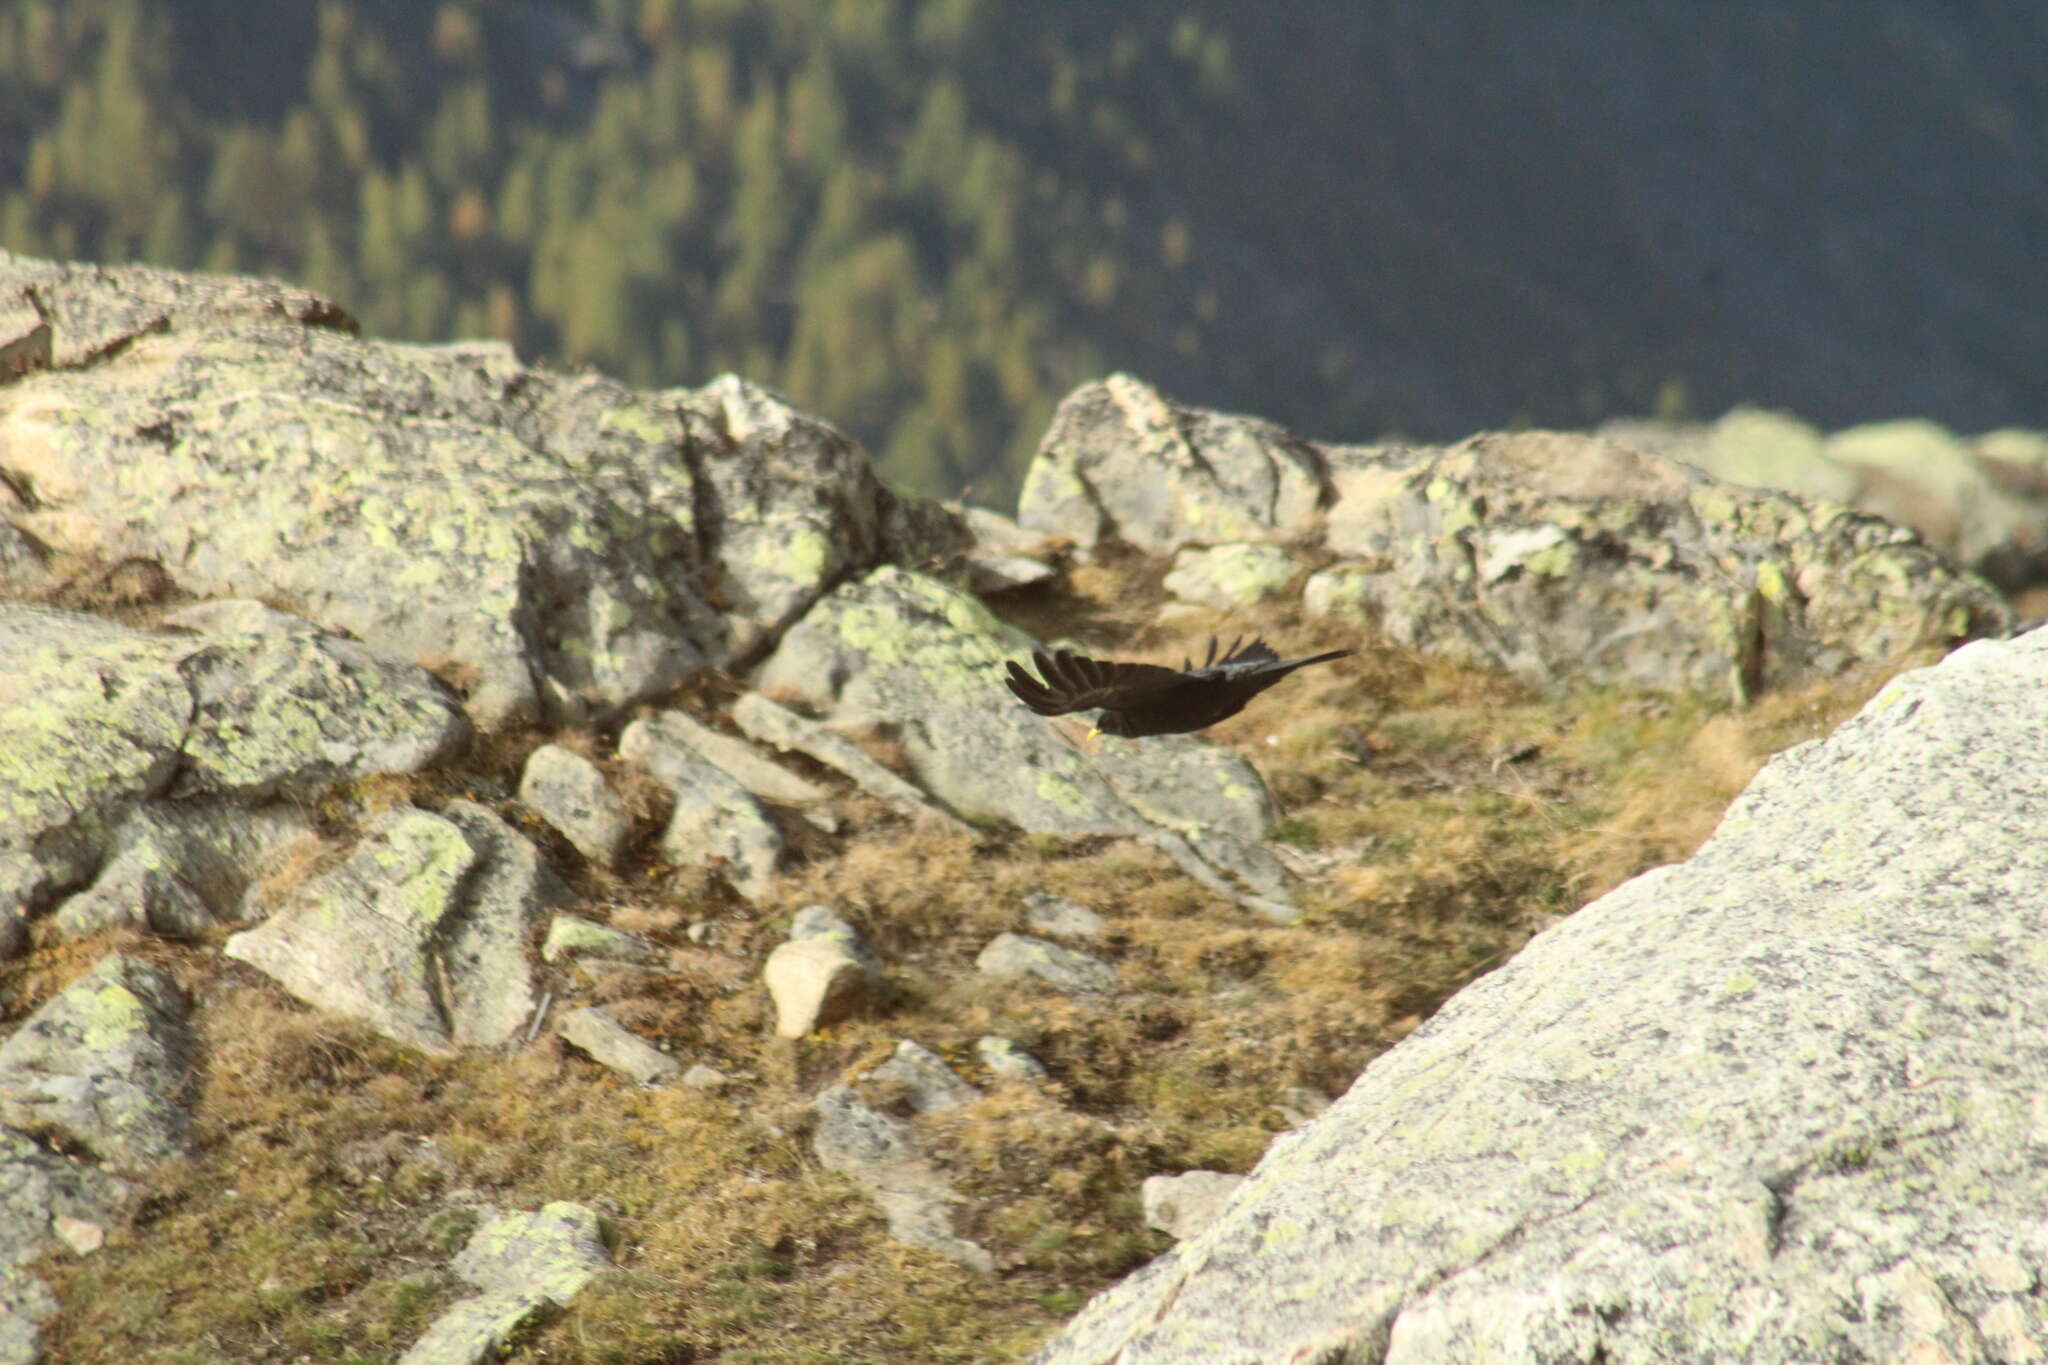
(1438, 815)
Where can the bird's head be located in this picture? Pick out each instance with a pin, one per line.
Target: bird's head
(1112, 723)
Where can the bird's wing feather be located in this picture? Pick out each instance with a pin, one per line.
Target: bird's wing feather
(1075, 682)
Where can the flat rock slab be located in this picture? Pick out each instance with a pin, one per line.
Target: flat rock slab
(576, 545)
(106, 1063)
(524, 1263)
(1780, 1102)
(880, 1153)
(420, 933)
(611, 1044)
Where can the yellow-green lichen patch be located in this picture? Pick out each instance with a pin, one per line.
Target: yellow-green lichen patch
(111, 1013)
(1063, 794)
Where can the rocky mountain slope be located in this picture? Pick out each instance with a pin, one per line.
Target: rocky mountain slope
(500, 861)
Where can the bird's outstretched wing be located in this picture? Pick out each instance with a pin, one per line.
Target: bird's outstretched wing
(1075, 682)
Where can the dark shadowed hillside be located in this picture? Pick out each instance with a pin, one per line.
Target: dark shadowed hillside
(926, 219)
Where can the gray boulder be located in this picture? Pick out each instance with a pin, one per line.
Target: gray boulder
(572, 544)
(1779, 1102)
(1122, 462)
(420, 933)
(570, 792)
(1570, 558)
(107, 1063)
(716, 819)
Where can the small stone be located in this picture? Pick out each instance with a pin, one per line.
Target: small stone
(611, 1044)
(1182, 1205)
(1008, 1062)
(574, 936)
(1063, 969)
(927, 1081)
(702, 1077)
(570, 793)
(1299, 1104)
(825, 972)
(814, 982)
(1229, 575)
(82, 1236)
(1045, 913)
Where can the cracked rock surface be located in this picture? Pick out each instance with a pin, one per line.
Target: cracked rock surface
(1778, 1102)
(98, 718)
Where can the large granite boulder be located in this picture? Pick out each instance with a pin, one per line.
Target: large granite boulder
(1565, 558)
(1780, 1102)
(569, 544)
(1121, 461)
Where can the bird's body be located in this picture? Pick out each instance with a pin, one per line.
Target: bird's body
(1145, 699)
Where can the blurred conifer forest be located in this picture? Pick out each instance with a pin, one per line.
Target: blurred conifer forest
(928, 219)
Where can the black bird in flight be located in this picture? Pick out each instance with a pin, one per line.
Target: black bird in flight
(1145, 699)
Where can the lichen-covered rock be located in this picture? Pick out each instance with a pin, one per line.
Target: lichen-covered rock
(880, 1154)
(715, 820)
(522, 1262)
(573, 936)
(489, 995)
(569, 792)
(39, 1192)
(926, 661)
(1779, 1102)
(1122, 462)
(574, 544)
(1570, 558)
(106, 1063)
(419, 933)
(97, 719)
(1968, 498)
(1228, 576)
